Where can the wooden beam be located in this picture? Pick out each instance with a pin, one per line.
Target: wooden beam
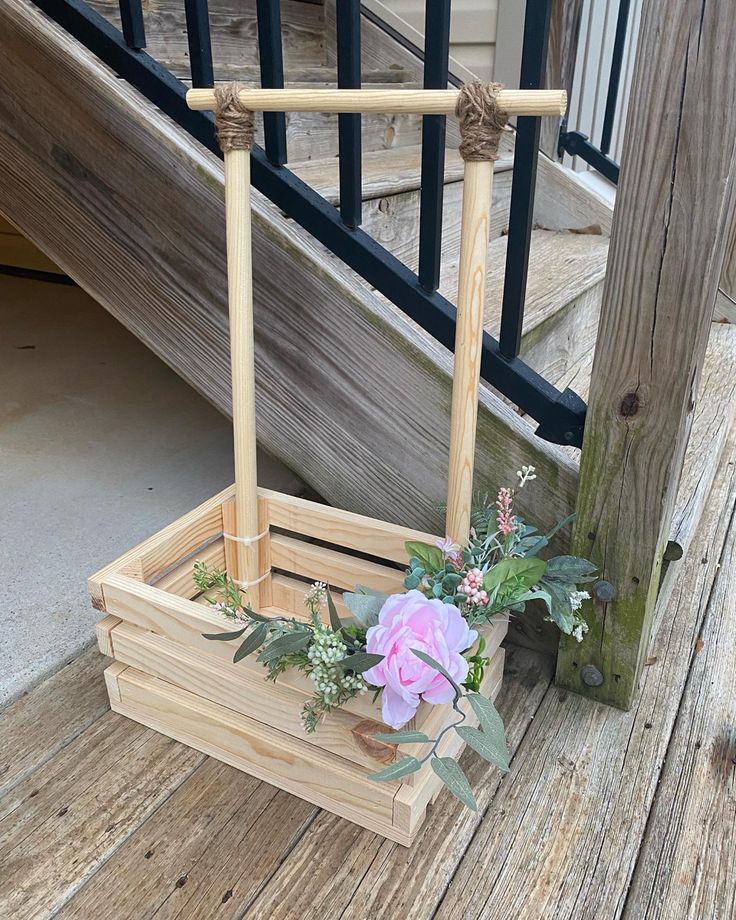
(675, 203)
(564, 30)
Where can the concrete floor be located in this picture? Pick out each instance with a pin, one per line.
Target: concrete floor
(100, 446)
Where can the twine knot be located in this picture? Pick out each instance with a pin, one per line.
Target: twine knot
(233, 120)
(481, 120)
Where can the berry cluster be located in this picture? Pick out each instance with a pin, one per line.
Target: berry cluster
(472, 587)
(330, 679)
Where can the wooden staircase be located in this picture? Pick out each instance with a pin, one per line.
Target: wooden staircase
(353, 396)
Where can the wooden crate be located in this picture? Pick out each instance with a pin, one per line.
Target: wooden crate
(168, 677)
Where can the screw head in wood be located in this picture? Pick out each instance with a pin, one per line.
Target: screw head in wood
(604, 591)
(591, 676)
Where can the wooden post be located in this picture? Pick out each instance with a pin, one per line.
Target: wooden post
(471, 299)
(240, 300)
(562, 48)
(675, 203)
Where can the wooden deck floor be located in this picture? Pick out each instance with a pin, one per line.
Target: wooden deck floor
(604, 814)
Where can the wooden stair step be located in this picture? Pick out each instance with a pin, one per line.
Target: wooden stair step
(385, 172)
(293, 76)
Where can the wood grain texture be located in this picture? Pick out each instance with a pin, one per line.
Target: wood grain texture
(687, 864)
(339, 868)
(471, 299)
(69, 816)
(43, 722)
(562, 46)
(242, 365)
(586, 774)
(347, 433)
(675, 202)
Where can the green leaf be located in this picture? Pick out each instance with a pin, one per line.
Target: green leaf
(455, 780)
(571, 569)
(525, 570)
(437, 590)
(537, 596)
(285, 645)
(561, 609)
(364, 607)
(335, 621)
(563, 523)
(450, 582)
(427, 659)
(402, 738)
(360, 662)
(397, 770)
(225, 637)
(429, 556)
(411, 582)
(485, 745)
(488, 717)
(254, 641)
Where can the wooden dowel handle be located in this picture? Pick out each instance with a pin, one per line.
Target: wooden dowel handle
(242, 362)
(385, 101)
(471, 295)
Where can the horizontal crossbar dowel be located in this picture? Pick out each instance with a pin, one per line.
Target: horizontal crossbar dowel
(386, 101)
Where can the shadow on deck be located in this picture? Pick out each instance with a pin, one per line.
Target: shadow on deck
(604, 813)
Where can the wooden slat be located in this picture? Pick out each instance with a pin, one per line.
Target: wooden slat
(245, 691)
(103, 628)
(687, 863)
(39, 725)
(179, 580)
(562, 46)
(578, 755)
(206, 850)
(341, 528)
(342, 571)
(272, 756)
(162, 550)
(66, 819)
(675, 202)
(340, 868)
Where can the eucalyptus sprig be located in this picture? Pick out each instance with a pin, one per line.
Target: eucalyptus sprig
(489, 740)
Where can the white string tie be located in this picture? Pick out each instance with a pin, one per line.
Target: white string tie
(246, 541)
(251, 584)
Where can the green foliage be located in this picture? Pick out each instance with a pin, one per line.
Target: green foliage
(451, 774)
(426, 556)
(397, 770)
(407, 737)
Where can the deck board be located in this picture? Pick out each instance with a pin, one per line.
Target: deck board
(96, 810)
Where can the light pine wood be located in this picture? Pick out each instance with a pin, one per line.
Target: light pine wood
(103, 630)
(477, 190)
(242, 363)
(400, 101)
(675, 204)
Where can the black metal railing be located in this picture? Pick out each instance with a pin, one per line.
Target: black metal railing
(578, 144)
(560, 415)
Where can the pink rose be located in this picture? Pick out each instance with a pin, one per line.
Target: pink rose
(412, 621)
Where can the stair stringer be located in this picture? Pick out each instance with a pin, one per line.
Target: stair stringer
(352, 395)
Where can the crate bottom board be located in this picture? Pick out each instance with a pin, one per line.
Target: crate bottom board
(393, 810)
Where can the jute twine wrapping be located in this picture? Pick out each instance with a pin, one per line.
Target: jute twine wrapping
(481, 120)
(233, 120)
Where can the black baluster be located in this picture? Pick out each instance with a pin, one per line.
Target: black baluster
(200, 44)
(349, 125)
(614, 79)
(526, 150)
(131, 18)
(436, 56)
(272, 76)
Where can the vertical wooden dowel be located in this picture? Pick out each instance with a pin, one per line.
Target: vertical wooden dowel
(240, 300)
(478, 185)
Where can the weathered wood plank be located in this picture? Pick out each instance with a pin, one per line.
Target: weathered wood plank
(41, 723)
(562, 46)
(206, 851)
(338, 869)
(586, 774)
(687, 863)
(67, 818)
(676, 200)
(316, 352)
